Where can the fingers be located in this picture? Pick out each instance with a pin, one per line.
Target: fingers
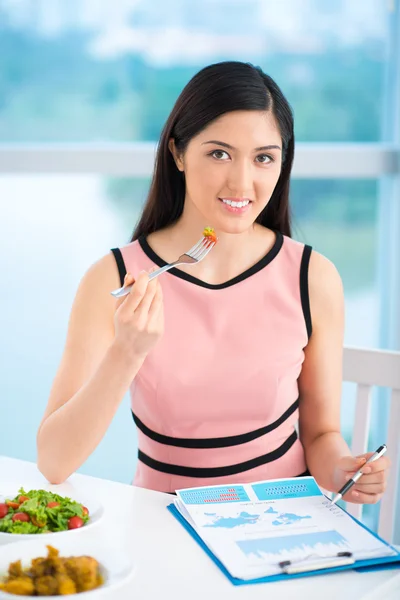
(373, 478)
(352, 464)
(144, 299)
(377, 466)
(128, 280)
(135, 296)
(374, 484)
(142, 310)
(366, 455)
(156, 304)
(361, 497)
(371, 488)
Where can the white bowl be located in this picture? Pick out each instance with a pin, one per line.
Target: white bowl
(116, 566)
(96, 512)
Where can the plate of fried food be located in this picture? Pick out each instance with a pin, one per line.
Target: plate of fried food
(26, 513)
(35, 568)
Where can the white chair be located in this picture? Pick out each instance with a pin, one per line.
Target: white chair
(369, 368)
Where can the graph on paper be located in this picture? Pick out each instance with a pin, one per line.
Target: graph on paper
(215, 494)
(275, 549)
(269, 516)
(252, 528)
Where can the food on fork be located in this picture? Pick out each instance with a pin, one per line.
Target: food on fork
(53, 576)
(210, 234)
(39, 511)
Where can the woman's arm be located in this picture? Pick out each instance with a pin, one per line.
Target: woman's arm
(106, 345)
(321, 376)
(328, 457)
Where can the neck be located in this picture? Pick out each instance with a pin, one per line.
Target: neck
(190, 226)
(233, 253)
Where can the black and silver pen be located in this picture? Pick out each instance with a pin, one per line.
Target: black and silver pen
(377, 454)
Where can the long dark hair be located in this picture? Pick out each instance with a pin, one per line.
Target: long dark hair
(213, 91)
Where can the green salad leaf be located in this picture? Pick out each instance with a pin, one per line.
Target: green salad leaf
(42, 518)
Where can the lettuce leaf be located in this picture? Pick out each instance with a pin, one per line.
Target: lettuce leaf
(43, 518)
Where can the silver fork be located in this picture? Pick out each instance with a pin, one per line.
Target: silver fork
(191, 257)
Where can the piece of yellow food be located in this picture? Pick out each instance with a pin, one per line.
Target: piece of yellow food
(53, 576)
(210, 234)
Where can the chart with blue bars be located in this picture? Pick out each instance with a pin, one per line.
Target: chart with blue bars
(273, 490)
(326, 543)
(211, 495)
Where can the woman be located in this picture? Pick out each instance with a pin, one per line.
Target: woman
(253, 335)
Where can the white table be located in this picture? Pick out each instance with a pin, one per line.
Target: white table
(170, 564)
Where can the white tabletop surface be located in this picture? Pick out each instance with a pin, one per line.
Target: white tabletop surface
(170, 564)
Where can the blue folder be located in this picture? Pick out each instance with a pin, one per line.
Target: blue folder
(387, 562)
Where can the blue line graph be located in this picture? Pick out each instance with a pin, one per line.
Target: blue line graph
(306, 542)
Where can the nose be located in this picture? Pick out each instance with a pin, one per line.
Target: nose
(240, 178)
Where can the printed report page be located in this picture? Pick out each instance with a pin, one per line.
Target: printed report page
(252, 528)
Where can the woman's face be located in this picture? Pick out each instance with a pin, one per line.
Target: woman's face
(231, 169)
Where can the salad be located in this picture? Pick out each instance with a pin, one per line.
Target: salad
(210, 234)
(39, 511)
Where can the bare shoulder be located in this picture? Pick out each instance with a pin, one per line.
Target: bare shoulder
(93, 293)
(91, 323)
(102, 275)
(323, 273)
(325, 288)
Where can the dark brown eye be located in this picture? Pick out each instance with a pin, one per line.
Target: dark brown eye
(220, 154)
(264, 159)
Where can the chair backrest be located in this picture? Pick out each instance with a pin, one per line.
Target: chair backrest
(370, 368)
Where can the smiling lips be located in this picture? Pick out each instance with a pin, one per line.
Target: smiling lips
(235, 205)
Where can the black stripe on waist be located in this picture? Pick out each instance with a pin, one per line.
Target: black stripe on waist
(218, 471)
(305, 474)
(220, 442)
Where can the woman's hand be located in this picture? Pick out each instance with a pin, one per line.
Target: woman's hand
(139, 318)
(371, 486)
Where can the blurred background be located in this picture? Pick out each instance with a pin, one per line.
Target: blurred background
(85, 88)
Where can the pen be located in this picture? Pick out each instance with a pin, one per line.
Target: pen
(377, 454)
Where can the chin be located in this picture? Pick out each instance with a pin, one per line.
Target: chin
(232, 227)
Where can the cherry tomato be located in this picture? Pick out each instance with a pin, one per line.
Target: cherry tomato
(3, 510)
(37, 523)
(12, 504)
(22, 499)
(85, 511)
(21, 517)
(53, 504)
(209, 233)
(75, 522)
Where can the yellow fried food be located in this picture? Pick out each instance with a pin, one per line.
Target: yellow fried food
(52, 552)
(20, 586)
(52, 565)
(53, 576)
(47, 585)
(15, 569)
(84, 571)
(66, 585)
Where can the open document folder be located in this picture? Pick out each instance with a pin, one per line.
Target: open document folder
(277, 529)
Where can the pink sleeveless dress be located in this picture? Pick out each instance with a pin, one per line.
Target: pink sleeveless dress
(216, 400)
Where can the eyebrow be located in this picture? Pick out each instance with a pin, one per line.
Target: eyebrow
(225, 145)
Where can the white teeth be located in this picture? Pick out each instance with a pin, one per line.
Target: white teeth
(235, 204)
